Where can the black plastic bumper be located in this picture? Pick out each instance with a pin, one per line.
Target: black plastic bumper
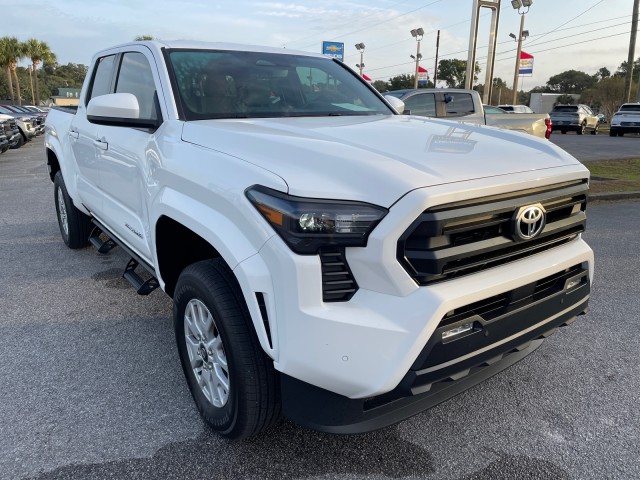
(428, 383)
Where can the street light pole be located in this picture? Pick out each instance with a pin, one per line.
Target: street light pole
(360, 48)
(518, 4)
(435, 70)
(517, 69)
(417, 33)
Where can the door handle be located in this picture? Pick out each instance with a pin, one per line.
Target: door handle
(74, 134)
(101, 144)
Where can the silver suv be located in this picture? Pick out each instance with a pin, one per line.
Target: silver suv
(578, 118)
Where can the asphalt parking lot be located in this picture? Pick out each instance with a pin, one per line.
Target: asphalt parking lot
(92, 386)
(598, 147)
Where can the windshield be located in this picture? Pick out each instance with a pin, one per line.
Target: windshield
(231, 84)
(566, 108)
(630, 108)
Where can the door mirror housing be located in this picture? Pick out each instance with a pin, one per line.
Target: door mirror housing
(396, 103)
(118, 109)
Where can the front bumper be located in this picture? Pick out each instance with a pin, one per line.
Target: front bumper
(445, 368)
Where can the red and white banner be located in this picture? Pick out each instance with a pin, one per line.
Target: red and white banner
(526, 64)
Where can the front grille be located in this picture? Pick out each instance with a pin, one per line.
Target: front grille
(461, 238)
(338, 284)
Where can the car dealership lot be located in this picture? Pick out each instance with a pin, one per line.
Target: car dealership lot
(598, 147)
(92, 385)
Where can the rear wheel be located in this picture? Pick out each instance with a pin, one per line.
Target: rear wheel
(74, 225)
(621, 134)
(563, 131)
(613, 133)
(231, 379)
(581, 129)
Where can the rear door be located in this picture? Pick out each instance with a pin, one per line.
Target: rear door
(84, 140)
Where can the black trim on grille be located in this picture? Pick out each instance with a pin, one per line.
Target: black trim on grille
(338, 283)
(461, 238)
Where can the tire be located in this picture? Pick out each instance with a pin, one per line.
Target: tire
(74, 225)
(595, 129)
(621, 134)
(613, 133)
(231, 379)
(20, 143)
(563, 131)
(581, 129)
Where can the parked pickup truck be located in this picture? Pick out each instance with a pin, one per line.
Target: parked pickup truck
(328, 259)
(577, 118)
(625, 120)
(466, 106)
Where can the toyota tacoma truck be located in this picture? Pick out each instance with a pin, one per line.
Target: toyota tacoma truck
(466, 106)
(329, 259)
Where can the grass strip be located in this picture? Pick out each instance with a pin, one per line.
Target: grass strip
(609, 176)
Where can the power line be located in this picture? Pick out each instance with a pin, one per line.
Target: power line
(379, 23)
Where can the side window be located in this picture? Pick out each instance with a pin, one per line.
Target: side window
(423, 104)
(135, 77)
(461, 104)
(101, 84)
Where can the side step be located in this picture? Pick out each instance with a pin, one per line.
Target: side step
(103, 246)
(143, 287)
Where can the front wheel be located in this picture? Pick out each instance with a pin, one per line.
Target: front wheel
(595, 129)
(563, 131)
(74, 225)
(613, 133)
(231, 379)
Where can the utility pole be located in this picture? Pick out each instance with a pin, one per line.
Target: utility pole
(632, 49)
(435, 70)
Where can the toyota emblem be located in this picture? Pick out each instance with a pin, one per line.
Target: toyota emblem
(528, 222)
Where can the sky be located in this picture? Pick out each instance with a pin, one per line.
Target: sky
(582, 35)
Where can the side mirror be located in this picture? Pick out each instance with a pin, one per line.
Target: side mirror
(448, 98)
(118, 109)
(395, 102)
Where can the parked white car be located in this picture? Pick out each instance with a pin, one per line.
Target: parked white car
(625, 120)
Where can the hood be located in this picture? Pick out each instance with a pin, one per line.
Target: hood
(376, 159)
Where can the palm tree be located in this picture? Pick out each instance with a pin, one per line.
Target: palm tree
(38, 51)
(11, 52)
(5, 62)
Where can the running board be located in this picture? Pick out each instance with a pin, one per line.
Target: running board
(103, 246)
(142, 286)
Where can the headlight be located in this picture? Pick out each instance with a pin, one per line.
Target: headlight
(306, 224)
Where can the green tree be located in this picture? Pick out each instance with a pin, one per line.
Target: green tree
(38, 51)
(604, 72)
(143, 37)
(381, 85)
(605, 95)
(454, 71)
(400, 82)
(624, 68)
(11, 51)
(565, 100)
(570, 81)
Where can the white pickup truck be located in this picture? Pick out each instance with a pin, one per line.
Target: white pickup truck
(328, 259)
(466, 106)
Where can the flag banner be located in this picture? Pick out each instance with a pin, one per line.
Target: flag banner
(526, 64)
(423, 76)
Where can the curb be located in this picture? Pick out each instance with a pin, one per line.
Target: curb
(614, 196)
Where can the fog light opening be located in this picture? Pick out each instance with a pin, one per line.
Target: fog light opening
(456, 332)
